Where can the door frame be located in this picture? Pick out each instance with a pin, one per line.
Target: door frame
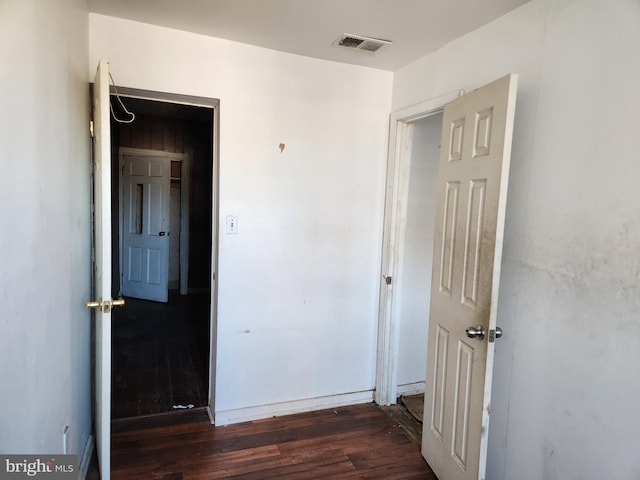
(401, 125)
(214, 105)
(184, 160)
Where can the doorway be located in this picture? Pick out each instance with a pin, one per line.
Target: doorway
(414, 270)
(162, 352)
(412, 173)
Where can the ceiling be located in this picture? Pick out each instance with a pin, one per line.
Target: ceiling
(308, 27)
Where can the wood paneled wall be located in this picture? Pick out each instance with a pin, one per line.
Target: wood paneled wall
(173, 135)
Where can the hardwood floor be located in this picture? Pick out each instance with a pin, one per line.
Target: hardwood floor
(406, 421)
(160, 355)
(359, 441)
(415, 405)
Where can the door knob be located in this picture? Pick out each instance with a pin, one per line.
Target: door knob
(162, 234)
(498, 332)
(105, 305)
(475, 332)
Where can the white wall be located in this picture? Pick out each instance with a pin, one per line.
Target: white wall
(565, 388)
(44, 245)
(414, 298)
(298, 284)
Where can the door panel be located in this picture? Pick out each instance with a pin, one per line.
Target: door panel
(102, 273)
(146, 197)
(439, 381)
(449, 236)
(472, 188)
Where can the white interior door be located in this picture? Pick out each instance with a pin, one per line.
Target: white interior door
(102, 274)
(145, 236)
(472, 192)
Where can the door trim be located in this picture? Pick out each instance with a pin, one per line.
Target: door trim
(395, 215)
(214, 105)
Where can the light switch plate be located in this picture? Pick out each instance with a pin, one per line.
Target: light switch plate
(232, 224)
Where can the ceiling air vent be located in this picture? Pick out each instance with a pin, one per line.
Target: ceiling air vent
(361, 43)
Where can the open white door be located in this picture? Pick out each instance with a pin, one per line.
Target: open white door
(472, 192)
(102, 302)
(145, 236)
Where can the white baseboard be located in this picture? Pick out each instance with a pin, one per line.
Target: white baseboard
(210, 415)
(411, 388)
(227, 417)
(83, 468)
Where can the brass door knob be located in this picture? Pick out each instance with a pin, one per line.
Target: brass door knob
(105, 305)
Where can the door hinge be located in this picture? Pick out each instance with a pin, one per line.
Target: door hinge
(91, 128)
(388, 280)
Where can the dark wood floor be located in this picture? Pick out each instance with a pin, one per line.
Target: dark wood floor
(359, 441)
(160, 355)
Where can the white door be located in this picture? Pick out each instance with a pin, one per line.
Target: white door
(102, 274)
(472, 192)
(145, 236)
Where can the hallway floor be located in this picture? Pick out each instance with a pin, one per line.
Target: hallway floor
(160, 355)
